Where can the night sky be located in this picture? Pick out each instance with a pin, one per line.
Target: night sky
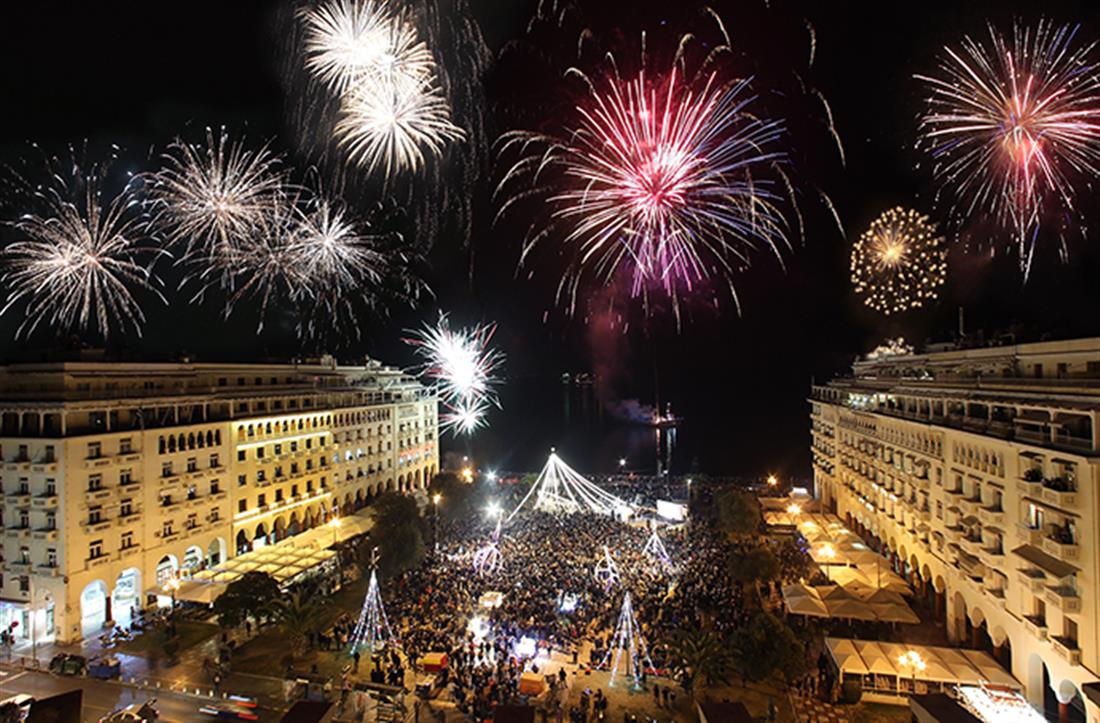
(136, 75)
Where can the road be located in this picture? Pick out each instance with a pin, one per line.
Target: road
(102, 697)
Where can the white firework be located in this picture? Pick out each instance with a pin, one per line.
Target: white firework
(349, 42)
(387, 128)
(210, 199)
(80, 259)
(331, 251)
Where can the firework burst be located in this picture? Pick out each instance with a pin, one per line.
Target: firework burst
(1013, 126)
(79, 259)
(665, 181)
(210, 200)
(393, 114)
(899, 262)
(463, 365)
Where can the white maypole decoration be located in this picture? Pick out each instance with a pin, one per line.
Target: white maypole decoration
(655, 550)
(372, 631)
(628, 639)
(560, 489)
(487, 558)
(607, 572)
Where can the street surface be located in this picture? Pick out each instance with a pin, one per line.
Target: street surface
(101, 697)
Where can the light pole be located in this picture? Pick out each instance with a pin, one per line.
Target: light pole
(435, 521)
(828, 552)
(171, 585)
(915, 663)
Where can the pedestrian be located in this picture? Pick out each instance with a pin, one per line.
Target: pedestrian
(355, 657)
(657, 694)
(217, 683)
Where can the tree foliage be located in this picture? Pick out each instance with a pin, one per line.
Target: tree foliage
(249, 595)
(765, 646)
(758, 564)
(297, 615)
(398, 533)
(703, 658)
(738, 512)
(459, 500)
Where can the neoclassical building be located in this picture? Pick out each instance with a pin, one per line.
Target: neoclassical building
(976, 471)
(118, 477)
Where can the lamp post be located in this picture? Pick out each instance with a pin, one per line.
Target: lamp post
(435, 521)
(828, 552)
(915, 663)
(171, 585)
(334, 523)
(773, 481)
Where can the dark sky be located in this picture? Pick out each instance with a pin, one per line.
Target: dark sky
(138, 73)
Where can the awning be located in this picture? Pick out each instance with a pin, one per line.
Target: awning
(1047, 563)
(941, 665)
(200, 592)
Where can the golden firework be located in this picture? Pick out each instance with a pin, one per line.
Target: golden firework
(899, 263)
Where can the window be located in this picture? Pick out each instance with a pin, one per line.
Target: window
(192, 464)
(25, 555)
(166, 469)
(95, 450)
(126, 540)
(261, 501)
(95, 515)
(278, 449)
(192, 522)
(95, 549)
(261, 476)
(278, 495)
(125, 477)
(260, 452)
(51, 557)
(214, 460)
(242, 480)
(166, 529)
(24, 584)
(125, 445)
(240, 455)
(50, 454)
(24, 519)
(242, 505)
(24, 486)
(51, 520)
(214, 515)
(24, 456)
(214, 487)
(294, 490)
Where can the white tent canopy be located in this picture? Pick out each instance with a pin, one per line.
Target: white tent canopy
(941, 665)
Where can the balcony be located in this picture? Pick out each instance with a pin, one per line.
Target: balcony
(991, 515)
(131, 519)
(1065, 598)
(48, 570)
(21, 498)
(129, 488)
(1065, 551)
(45, 502)
(1059, 494)
(1036, 625)
(47, 534)
(1031, 578)
(98, 462)
(1030, 483)
(19, 533)
(19, 567)
(1067, 649)
(1030, 535)
(93, 527)
(100, 561)
(98, 495)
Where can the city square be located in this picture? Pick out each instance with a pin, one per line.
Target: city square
(554, 361)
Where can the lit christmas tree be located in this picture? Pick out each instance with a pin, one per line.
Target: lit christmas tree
(628, 639)
(607, 572)
(372, 631)
(655, 550)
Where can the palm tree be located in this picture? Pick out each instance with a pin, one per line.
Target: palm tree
(703, 657)
(297, 616)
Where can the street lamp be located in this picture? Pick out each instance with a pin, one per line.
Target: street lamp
(435, 521)
(828, 552)
(622, 462)
(914, 662)
(171, 585)
(494, 509)
(793, 509)
(772, 480)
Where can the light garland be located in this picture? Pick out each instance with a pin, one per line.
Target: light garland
(628, 639)
(372, 631)
(560, 489)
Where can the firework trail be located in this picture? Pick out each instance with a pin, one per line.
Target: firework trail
(1012, 127)
(79, 259)
(899, 262)
(463, 365)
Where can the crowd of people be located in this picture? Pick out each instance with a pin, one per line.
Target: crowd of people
(554, 601)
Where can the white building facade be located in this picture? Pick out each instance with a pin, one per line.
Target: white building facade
(976, 472)
(117, 477)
